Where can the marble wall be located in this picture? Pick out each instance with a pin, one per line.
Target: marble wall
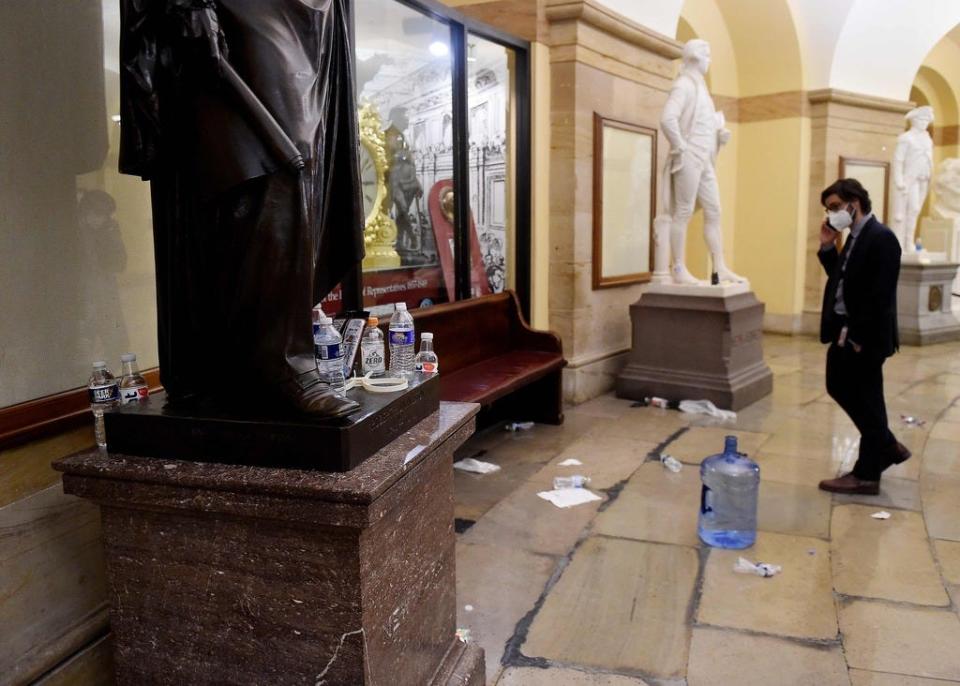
(599, 63)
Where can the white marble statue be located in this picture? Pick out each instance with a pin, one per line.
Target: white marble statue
(912, 169)
(946, 190)
(695, 131)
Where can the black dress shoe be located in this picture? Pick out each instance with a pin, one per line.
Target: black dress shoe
(848, 484)
(900, 453)
(310, 395)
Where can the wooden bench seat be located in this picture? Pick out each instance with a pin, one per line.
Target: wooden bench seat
(489, 355)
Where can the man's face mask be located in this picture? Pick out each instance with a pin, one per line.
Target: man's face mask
(840, 219)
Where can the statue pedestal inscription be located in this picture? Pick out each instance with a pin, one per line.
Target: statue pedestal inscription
(697, 343)
(924, 295)
(248, 575)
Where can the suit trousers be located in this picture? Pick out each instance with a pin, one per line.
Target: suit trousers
(855, 381)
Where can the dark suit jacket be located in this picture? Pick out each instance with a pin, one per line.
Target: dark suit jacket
(869, 291)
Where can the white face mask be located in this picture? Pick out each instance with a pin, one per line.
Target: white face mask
(840, 219)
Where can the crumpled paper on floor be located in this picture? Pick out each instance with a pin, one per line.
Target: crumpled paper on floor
(882, 514)
(745, 566)
(708, 408)
(569, 497)
(571, 462)
(671, 463)
(475, 466)
(910, 420)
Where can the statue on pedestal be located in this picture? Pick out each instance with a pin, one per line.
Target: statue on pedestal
(242, 116)
(695, 131)
(912, 169)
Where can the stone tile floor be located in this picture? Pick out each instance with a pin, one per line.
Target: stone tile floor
(621, 592)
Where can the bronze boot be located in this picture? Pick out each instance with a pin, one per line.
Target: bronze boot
(309, 394)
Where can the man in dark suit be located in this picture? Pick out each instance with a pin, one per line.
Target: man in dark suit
(859, 321)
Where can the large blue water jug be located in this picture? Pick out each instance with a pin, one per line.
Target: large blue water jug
(728, 502)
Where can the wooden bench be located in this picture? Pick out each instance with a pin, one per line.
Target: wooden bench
(489, 355)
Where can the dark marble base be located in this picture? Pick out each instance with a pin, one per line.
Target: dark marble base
(247, 575)
(207, 432)
(688, 347)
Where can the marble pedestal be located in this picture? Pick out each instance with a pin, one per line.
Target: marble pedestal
(943, 235)
(697, 343)
(924, 311)
(222, 574)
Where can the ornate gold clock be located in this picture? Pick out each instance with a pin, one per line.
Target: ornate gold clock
(379, 231)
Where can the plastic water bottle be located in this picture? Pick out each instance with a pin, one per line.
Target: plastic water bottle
(426, 360)
(328, 349)
(104, 392)
(575, 481)
(402, 340)
(728, 502)
(373, 353)
(133, 387)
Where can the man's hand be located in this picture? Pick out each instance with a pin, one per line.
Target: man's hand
(723, 135)
(827, 235)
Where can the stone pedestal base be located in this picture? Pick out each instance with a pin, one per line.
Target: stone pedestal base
(693, 347)
(924, 311)
(225, 574)
(943, 235)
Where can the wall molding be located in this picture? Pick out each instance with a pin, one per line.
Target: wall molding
(53, 414)
(606, 20)
(868, 102)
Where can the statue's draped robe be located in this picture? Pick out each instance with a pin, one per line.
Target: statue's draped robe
(244, 244)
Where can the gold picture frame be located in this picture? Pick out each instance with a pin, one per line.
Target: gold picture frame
(624, 202)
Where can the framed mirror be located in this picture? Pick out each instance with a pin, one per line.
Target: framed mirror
(624, 189)
(874, 176)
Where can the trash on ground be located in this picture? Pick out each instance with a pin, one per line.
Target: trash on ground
(468, 608)
(570, 462)
(910, 420)
(469, 464)
(518, 426)
(670, 462)
(745, 566)
(463, 635)
(575, 481)
(569, 497)
(708, 408)
(882, 514)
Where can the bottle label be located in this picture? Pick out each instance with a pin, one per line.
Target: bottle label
(328, 351)
(401, 337)
(427, 367)
(129, 395)
(107, 393)
(373, 359)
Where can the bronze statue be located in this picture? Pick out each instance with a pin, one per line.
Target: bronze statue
(242, 115)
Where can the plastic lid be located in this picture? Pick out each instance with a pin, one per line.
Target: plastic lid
(426, 336)
(99, 364)
(128, 357)
(401, 307)
(373, 321)
(325, 320)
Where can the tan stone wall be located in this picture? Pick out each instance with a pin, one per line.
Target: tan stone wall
(841, 125)
(599, 63)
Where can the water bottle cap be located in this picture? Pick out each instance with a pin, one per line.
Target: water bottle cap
(325, 320)
(401, 307)
(426, 336)
(373, 321)
(128, 357)
(99, 364)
